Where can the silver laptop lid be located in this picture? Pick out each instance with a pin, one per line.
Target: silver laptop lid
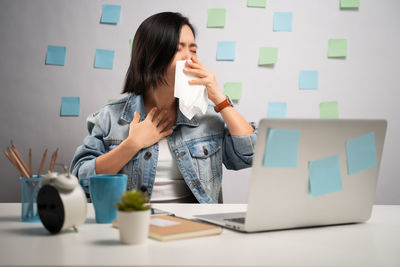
(282, 195)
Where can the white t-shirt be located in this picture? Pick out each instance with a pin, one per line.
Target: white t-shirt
(169, 185)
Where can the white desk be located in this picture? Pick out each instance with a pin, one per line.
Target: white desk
(375, 243)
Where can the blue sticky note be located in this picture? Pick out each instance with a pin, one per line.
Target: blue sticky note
(308, 79)
(361, 153)
(324, 176)
(56, 55)
(104, 59)
(276, 110)
(283, 21)
(70, 106)
(281, 148)
(110, 14)
(226, 51)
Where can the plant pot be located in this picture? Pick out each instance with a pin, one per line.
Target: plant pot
(133, 226)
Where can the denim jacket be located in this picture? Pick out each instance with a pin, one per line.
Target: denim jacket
(200, 146)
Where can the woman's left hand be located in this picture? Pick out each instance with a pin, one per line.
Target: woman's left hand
(206, 78)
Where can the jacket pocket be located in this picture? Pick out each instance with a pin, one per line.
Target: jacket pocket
(206, 158)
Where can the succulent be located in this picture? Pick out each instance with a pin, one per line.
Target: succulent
(133, 200)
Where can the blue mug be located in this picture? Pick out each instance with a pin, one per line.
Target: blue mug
(105, 190)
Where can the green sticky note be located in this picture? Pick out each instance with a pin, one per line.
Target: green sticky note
(361, 153)
(349, 4)
(233, 90)
(216, 17)
(268, 56)
(70, 106)
(111, 100)
(324, 176)
(130, 45)
(337, 47)
(256, 3)
(329, 110)
(281, 148)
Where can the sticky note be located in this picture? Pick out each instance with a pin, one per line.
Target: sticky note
(110, 14)
(349, 4)
(324, 176)
(216, 17)
(111, 100)
(281, 148)
(308, 79)
(276, 110)
(233, 90)
(268, 56)
(226, 51)
(329, 110)
(256, 3)
(104, 59)
(337, 48)
(70, 106)
(283, 21)
(361, 153)
(130, 46)
(56, 55)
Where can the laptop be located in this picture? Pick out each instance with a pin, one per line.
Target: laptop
(310, 172)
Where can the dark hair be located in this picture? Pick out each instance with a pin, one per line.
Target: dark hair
(154, 46)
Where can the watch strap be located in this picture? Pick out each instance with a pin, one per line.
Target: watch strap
(223, 105)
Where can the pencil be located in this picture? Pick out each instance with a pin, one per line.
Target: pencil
(55, 157)
(23, 170)
(42, 163)
(50, 163)
(18, 161)
(12, 161)
(30, 162)
(53, 160)
(18, 155)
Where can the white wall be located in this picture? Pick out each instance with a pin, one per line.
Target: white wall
(365, 83)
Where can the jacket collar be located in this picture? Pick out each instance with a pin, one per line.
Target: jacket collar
(135, 103)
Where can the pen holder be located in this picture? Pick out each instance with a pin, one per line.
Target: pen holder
(29, 191)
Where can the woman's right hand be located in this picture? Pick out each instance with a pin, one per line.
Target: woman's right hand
(150, 131)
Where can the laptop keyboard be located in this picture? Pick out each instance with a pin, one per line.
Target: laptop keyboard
(236, 220)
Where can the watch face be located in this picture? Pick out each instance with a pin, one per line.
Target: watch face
(50, 208)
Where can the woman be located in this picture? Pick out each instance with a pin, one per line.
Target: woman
(145, 135)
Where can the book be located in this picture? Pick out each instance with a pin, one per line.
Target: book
(168, 227)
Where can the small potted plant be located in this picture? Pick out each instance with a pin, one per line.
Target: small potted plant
(133, 215)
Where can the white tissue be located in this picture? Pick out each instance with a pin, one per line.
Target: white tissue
(193, 99)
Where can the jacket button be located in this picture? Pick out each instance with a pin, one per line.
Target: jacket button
(205, 151)
(143, 189)
(147, 155)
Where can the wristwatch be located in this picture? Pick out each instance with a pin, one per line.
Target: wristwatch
(227, 102)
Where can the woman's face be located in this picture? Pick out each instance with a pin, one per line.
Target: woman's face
(186, 49)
